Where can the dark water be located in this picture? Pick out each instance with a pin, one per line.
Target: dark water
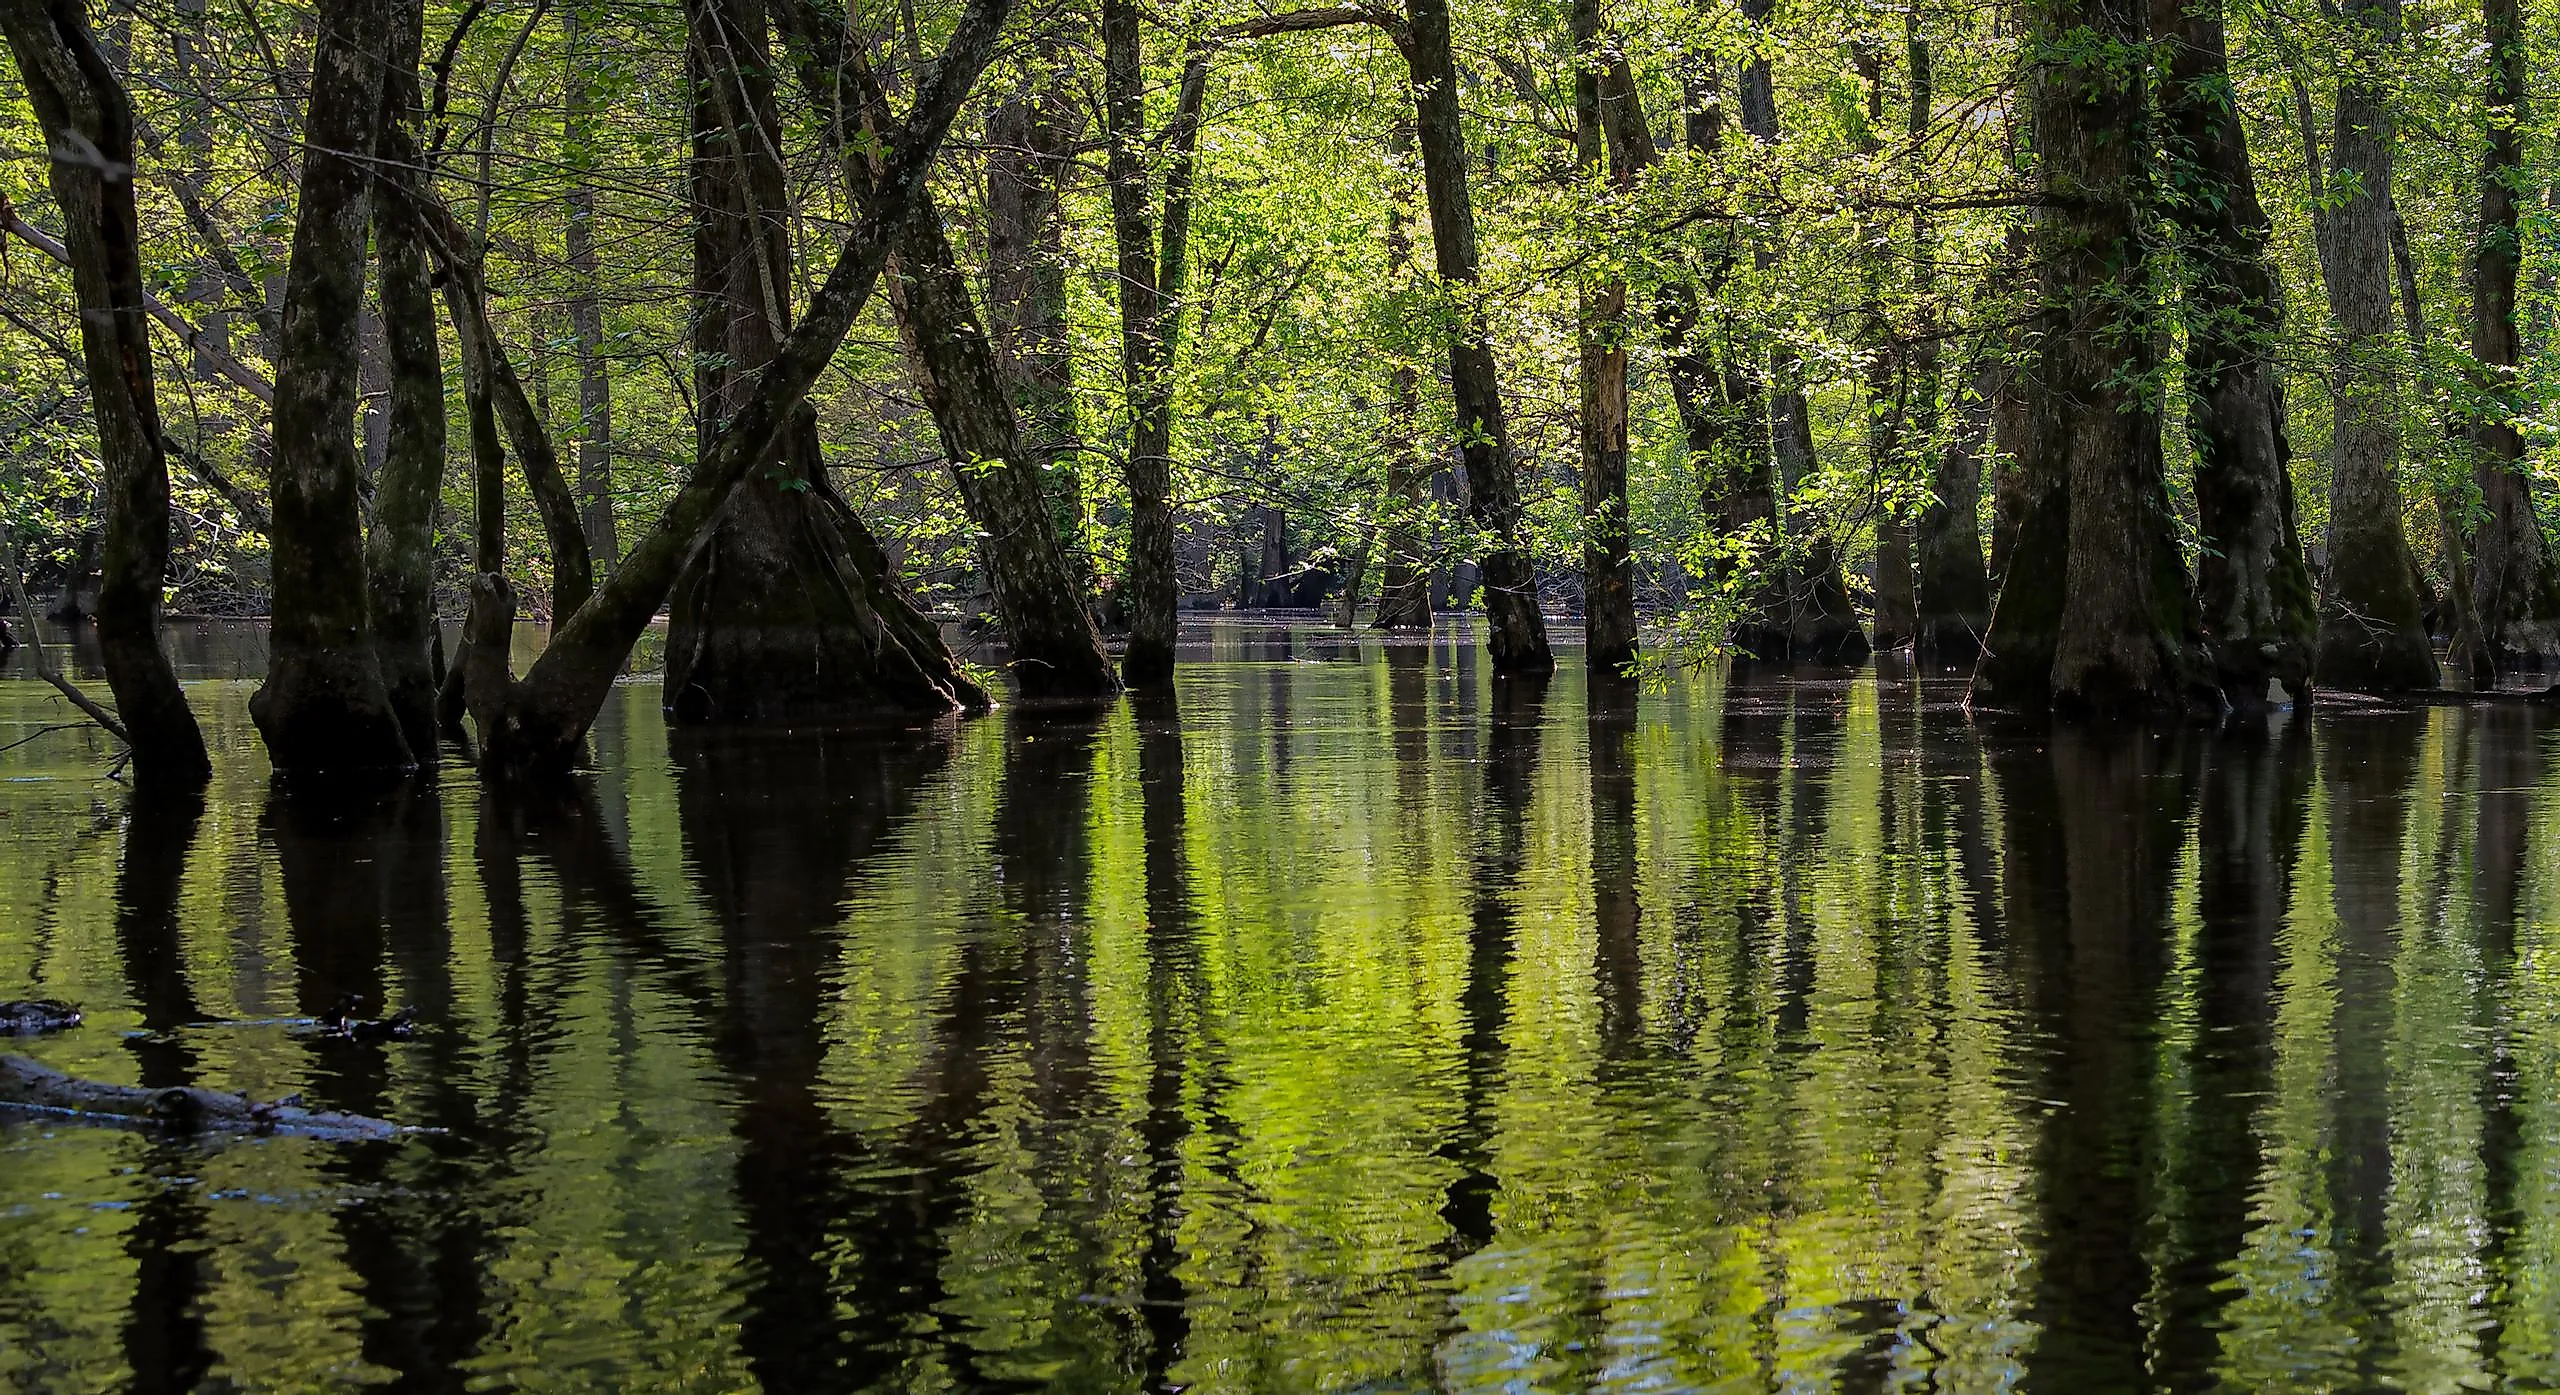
(1371, 1026)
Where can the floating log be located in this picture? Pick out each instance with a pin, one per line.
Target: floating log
(37, 1016)
(27, 1085)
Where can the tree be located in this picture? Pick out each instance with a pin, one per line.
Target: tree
(1608, 566)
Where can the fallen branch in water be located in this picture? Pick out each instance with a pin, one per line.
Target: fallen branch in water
(28, 1085)
(44, 662)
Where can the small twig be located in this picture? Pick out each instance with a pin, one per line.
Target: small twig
(44, 661)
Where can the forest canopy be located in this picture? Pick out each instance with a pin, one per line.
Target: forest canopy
(2135, 356)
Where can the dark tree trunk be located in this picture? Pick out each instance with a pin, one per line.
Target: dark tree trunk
(1902, 381)
(2253, 590)
(1608, 560)
(82, 105)
(1149, 588)
(586, 311)
(2515, 587)
(537, 724)
(1516, 634)
(1271, 588)
(2128, 640)
(2372, 635)
(401, 544)
(1031, 141)
(1955, 596)
(323, 707)
(786, 610)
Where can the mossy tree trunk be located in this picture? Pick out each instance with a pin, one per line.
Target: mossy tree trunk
(83, 108)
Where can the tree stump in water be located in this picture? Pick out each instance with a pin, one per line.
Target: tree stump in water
(788, 611)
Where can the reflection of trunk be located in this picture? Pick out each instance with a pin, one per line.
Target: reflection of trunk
(1175, 1006)
(323, 706)
(1516, 633)
(401, 545)
(2255, 593)
(2515, 587)
(586, 313)
(2371, 636)
(1608, 564)
(542, 720)
(786, 610)
(1145, 355)
(82, 105)
(1616, 914)
(1404, 596)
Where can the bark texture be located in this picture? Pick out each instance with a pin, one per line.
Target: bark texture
(2372, 633)
(1516, 634)
(1150, 587)
(2253, 591)
(2515, 587)
(1608, 560)
(88, 125)
(1032, 139)
(1404, 591)
(323, 708)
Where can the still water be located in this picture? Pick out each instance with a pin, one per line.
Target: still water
(1360, 1024)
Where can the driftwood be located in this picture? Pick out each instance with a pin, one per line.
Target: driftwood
(37, 1016)
(26, 1085)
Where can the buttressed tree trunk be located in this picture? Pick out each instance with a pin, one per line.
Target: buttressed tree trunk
(2515, 587)
(401, 544)
(88, 126)
(1516, 633)
(1608, 561)
(537, 725)
(786, 610)
(2372, 635)
(323, 708)
(2124, 628)
(2253, 590)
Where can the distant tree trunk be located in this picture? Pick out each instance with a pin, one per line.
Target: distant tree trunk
(538, 724)
(84, 111)
(2372, 637)
(586, 311)
(1271, 581)
(786, 611)
(323, 707)
(1031, 140)
(2255, 594)
(1608, 559)
(1899, 379)
(400, 547)
(1516, 632)
(1404, 597)
(1955, 596)
(2515, 587)
(2112, 582)
(1145, 355)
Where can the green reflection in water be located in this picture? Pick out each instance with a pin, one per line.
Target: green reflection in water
(1363, 1022)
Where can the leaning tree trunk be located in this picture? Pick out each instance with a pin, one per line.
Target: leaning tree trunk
(2515, 587)
(2129, 639)
(83, 108)
(1516, 633)
(785, 611)
(2372, 634)
(1608, 560)
(2254, 592)
(400, 546)
(1150, 586)
(323, 707)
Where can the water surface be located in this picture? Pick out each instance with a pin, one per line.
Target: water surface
(1359, 1023)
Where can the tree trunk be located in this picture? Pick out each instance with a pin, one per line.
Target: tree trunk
(2372, 635)
(83, 106)
(1608, 560)
(1897, 435)
(1145, 356)
(1955, 595)
(2129, 639)
(323, 708)
(539, 722)
(586, 312)
(1516, 634)
(786, 611)
(1271, 584)
(2253, 590)
(1031, 140)
(400, 548)
(2515, 588)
